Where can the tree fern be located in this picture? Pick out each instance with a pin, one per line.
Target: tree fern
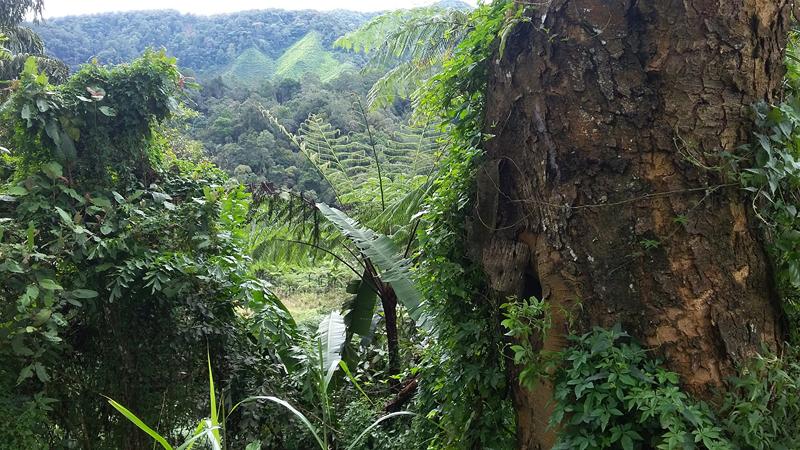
(411, 43)
(22, 40)
(13, 12)
(366, 164)
(378, 175)
(17, 44)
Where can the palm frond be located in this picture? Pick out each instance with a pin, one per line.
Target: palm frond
(14, 12)
(22, 40)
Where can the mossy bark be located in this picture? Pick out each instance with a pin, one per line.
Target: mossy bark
(596, 192)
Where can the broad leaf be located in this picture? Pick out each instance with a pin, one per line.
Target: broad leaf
(332, 334)
(361, 308)
(381, 251)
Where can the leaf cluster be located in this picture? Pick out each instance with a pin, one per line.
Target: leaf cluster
(609, 394)
(98, 124)
(98, 275)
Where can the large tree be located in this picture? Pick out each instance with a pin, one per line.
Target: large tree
(594, 190)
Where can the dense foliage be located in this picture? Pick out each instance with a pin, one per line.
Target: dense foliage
(105, 248)
(241, 139)
(132, 267)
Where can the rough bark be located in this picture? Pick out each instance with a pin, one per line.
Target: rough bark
(592, 192)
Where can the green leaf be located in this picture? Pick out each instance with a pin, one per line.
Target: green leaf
(53, 131)
(355, 382)
(627, 442)
(332, 334)
(380, 250)
(67, 146)
(50, 285)
(41, 317)
(255, 445)
(41, 373)
(26, 112)
(84, 293)
(42, 104)
(13, 266)
(102, 202)
(31, 294)
(66, 218)
(25, 373)
(107, 111)
(53, 170)
(361, 308)
(16, 191)
(19, 348)
(212, 399)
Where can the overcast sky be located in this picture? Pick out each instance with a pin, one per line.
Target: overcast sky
(58, 8)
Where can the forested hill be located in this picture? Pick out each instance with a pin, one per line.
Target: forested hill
(205, 44)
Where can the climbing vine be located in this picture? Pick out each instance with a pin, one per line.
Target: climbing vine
(464, 385)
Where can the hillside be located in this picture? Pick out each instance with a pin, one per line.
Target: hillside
(249, 68)
(308, 56)
(208, 45)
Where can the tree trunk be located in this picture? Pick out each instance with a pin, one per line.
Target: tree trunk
(389, 303)
(593, 190)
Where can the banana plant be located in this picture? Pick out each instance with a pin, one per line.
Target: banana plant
(381, 179)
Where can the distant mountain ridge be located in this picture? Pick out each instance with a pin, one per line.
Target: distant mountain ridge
(243, 47)
(205, 44)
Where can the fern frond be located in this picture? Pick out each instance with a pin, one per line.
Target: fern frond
(361, 166)
(412, 44)
(400, 213)
(287, 229)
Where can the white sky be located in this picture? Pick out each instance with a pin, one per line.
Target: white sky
(58, 8)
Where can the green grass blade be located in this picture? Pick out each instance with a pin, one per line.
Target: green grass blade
(136, 421)
(286, 405)
(202, 431)
(376, 423)
(213, 399)
(212, 433)
(198, 433)
(353, 380)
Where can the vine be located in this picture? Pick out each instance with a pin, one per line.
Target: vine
(463, 384)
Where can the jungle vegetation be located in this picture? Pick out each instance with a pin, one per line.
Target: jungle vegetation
(570, 225)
